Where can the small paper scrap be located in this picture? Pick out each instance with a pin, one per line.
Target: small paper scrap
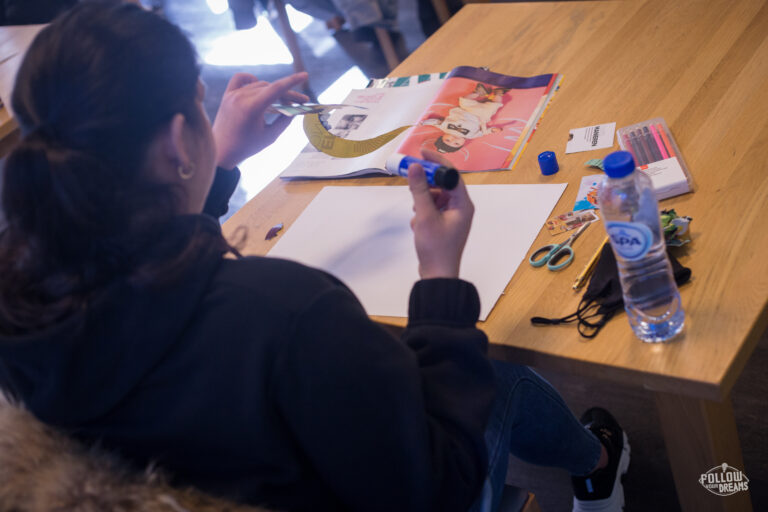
(590, 137)
(587, 196)
(568, 221)
(675, 227)
(274, 230)
(301, 109)
(597, 163)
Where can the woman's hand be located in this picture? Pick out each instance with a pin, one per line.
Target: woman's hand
(440, 224)
(239, 128)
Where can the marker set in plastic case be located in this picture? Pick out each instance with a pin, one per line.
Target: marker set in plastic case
(657, 154)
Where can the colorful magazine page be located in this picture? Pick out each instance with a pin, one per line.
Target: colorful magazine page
(479, 119)
(501, 131)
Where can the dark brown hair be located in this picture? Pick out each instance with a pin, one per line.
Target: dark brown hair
(95, 88)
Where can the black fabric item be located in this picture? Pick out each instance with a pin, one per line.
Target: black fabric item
(224, 185)
(265, 381)
(603, 297)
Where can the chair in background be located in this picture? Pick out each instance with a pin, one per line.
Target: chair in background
(383, 38)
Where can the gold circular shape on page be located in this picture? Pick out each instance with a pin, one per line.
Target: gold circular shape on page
(332, 145)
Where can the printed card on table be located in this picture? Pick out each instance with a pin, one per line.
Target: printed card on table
(568, 221)
(587, 196)
(590, 137)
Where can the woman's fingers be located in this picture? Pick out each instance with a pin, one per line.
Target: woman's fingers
(423, 203)
(263, 94)
(278, 88)
(239, 128)
(239, 80)
(294, 97)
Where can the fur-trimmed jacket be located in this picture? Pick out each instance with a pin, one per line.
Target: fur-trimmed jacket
(42, 470)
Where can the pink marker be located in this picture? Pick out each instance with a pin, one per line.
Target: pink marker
(660, 144)
(629, 147)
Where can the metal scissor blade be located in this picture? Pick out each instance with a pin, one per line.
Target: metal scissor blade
(574, 236)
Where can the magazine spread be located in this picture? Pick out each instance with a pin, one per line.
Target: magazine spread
(479, 120)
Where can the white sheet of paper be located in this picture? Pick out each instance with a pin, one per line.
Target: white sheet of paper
(362, 235)
(590, 137)
(16, 41)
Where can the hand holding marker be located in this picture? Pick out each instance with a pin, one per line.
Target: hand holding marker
(438, 174)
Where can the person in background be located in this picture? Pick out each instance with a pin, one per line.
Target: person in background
(351, 22)
(127, 319)
(30, 12)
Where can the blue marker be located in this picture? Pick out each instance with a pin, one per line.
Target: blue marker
(438, 175)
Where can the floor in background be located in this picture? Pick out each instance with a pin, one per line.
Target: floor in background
(648, 484)
(333, 73)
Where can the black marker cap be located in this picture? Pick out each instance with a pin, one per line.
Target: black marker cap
(446, 177)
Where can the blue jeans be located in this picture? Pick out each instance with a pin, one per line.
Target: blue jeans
(531, 421)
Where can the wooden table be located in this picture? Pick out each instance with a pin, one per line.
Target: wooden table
(703, 66)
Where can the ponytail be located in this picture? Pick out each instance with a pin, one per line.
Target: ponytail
(95, 88)
(52, 191)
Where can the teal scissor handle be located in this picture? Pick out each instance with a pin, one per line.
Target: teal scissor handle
(552, 255)
(553, 262)
(543, 254)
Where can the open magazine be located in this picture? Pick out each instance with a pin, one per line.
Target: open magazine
(479, 120)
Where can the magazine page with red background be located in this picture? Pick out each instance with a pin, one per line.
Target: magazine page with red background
(479, 118)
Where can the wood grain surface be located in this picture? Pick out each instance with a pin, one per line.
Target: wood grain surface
(703, 67)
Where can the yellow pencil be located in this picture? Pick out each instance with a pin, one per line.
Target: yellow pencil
(581, 280)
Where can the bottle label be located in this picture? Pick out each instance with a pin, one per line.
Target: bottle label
(631, 240)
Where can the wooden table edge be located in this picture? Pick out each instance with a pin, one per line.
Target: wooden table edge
(650, 381)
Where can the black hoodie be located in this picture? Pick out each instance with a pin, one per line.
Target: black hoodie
(263, 380)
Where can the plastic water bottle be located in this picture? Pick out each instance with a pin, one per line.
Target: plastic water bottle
(631, 215)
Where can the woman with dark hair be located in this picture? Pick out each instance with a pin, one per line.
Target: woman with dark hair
(122, 320)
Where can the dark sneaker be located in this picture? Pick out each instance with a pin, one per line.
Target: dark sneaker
(602, 490)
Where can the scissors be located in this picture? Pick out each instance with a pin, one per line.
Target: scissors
(553, 253)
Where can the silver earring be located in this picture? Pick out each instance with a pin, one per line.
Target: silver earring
(186, 173)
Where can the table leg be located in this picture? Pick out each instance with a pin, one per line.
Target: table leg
(699, 435)
(387, 47)
(289, 36)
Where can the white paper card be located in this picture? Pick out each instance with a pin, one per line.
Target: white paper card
(362, 235)
(667, 177)
(590, 137)
(586, 197)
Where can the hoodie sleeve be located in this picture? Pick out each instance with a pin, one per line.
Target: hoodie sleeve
(224, 185)
(391, 424)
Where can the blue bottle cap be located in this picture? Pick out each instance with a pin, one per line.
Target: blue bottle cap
(619, 164)
(548, 163)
